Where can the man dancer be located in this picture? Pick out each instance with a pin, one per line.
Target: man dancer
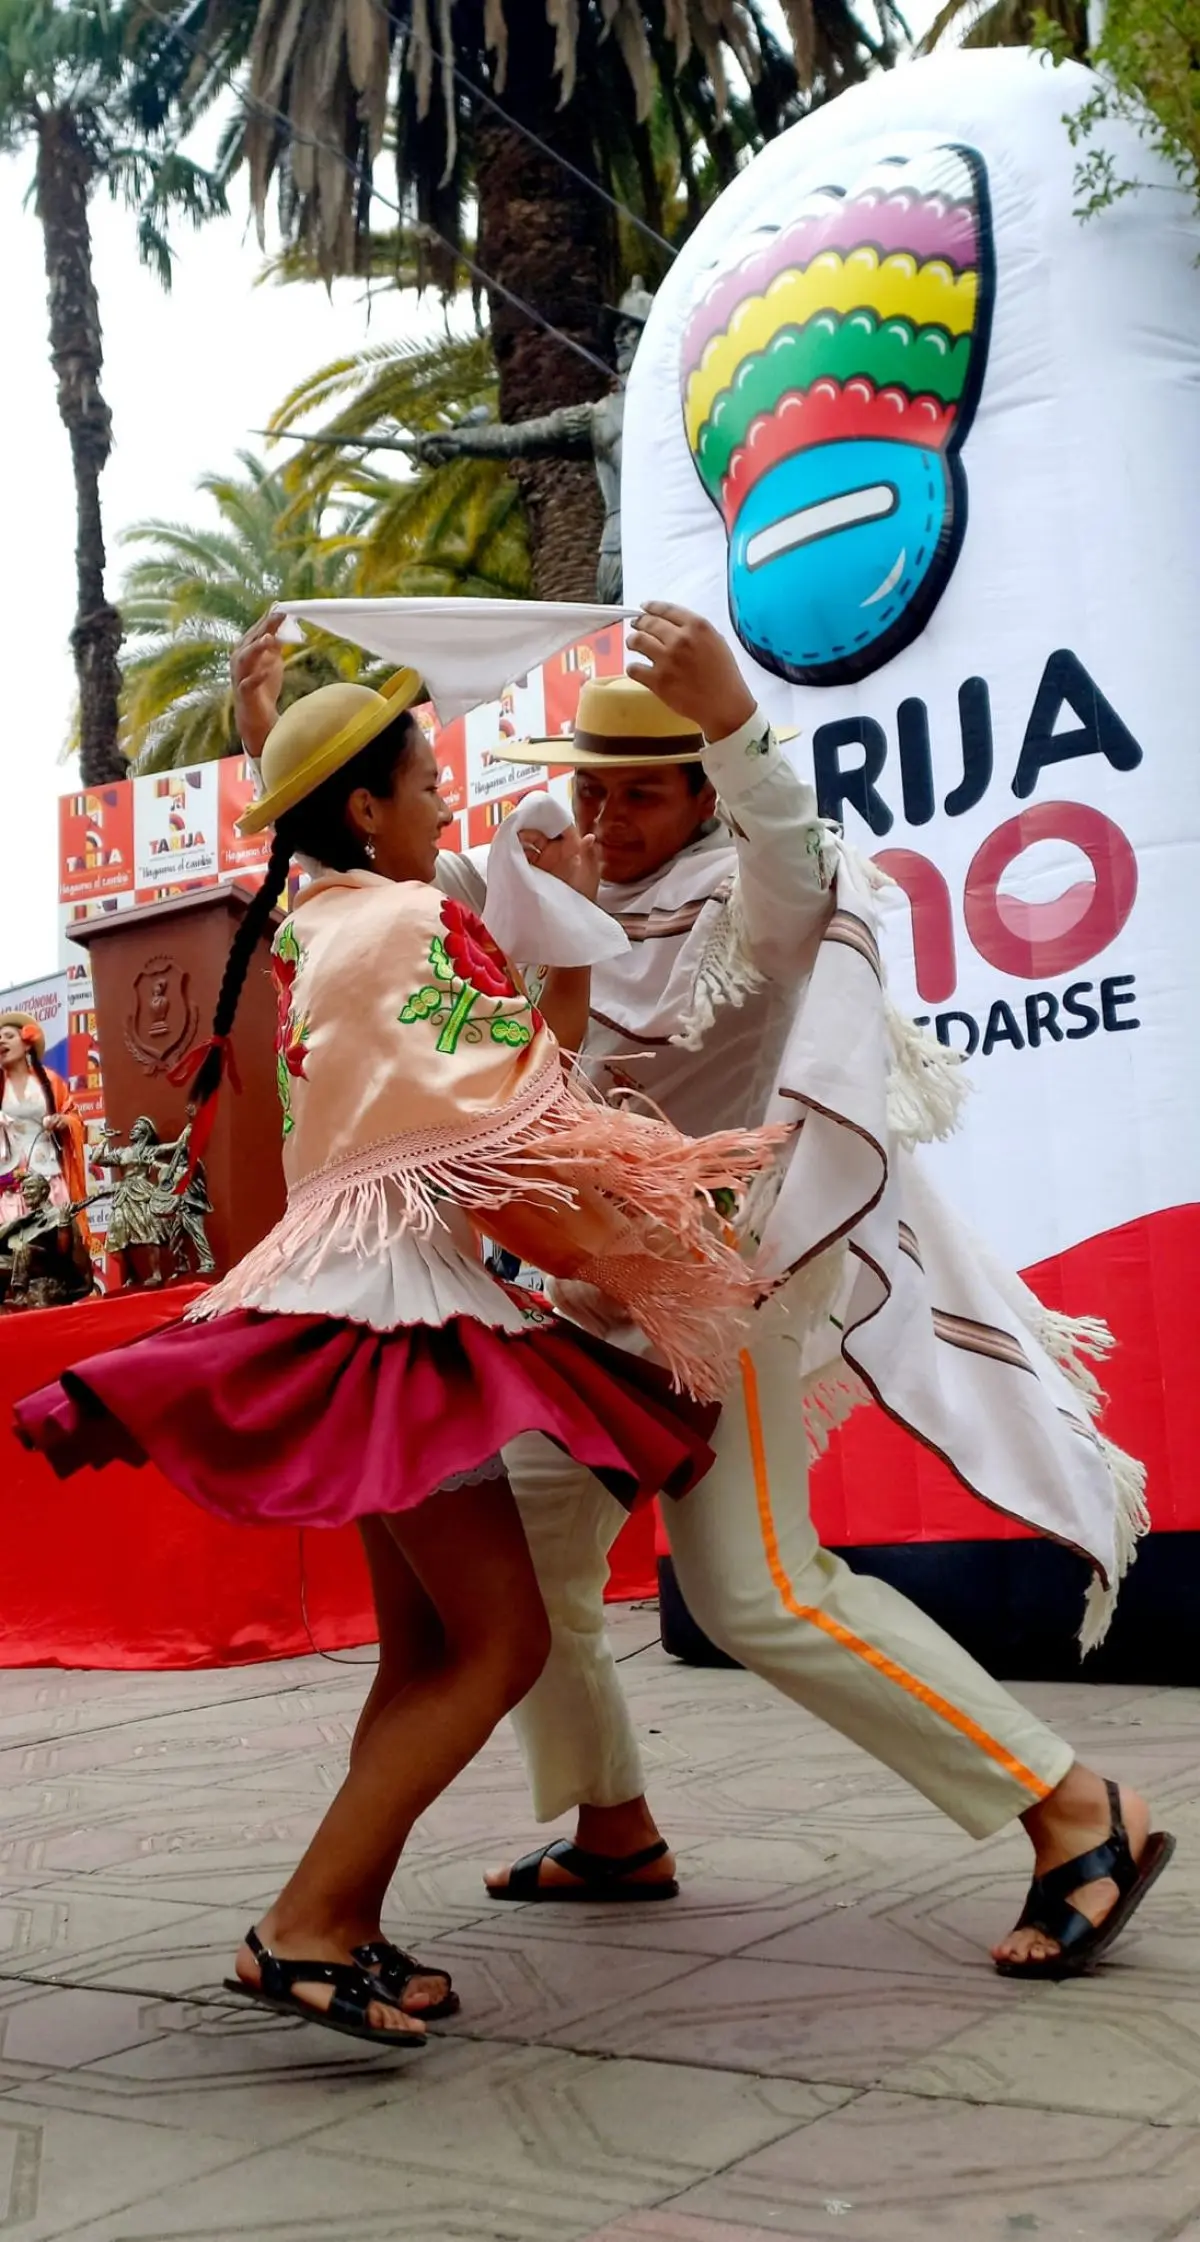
(723, 937)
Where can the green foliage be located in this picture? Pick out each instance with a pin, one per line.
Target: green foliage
(1148, 55)
(188, 597)
(190, 593)
(85, 58)
(456, 529)
(1148, 60)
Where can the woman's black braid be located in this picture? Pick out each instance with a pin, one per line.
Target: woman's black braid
(237, 964)
(37, 1067)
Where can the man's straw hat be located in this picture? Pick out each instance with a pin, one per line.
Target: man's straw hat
(619, 722)
(317, 735)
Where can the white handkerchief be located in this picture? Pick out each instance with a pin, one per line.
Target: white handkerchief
(538, 920)
(467, 650)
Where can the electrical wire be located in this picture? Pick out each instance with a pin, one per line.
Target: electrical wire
(363, 178)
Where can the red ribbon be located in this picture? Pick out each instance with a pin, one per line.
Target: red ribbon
(185, 1070)
(183, 1075)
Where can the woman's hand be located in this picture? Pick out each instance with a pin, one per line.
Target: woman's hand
(58, 1122)
(690, 667)
(256, 666)
(569, 858)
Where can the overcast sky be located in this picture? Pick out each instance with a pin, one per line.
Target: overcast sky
(187, 376)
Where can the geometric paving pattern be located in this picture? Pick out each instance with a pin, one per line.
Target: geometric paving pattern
(810, 2042)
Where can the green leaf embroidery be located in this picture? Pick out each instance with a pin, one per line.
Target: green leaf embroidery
(513, 1032)
(439, 961)
(423, 1004)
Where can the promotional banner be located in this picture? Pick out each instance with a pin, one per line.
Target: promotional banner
(95, 842)
(926, 446)
(175, 829)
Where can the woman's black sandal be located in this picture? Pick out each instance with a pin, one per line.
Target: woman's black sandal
(354, 1995)
(1048, 1907)
(603, 1881)
(393, 1971)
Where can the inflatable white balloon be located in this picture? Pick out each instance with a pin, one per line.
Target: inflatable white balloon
(930, 447)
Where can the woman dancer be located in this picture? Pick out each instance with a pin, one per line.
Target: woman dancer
(361, 1363)
(40, 1131)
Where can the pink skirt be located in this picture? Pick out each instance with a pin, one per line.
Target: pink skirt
(305, 1421)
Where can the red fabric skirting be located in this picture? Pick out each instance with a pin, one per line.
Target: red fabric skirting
(123, 1571)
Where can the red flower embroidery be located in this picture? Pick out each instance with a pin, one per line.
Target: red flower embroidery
(473, 954)
(283, 973)
(295, 1054)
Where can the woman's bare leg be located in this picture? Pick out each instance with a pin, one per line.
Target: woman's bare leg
(468, 1552)
(411, 1642)
(410, 1632)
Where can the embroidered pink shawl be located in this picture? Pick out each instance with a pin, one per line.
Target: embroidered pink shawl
(414, 1068)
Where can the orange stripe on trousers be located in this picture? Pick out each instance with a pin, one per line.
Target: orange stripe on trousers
(854, 1643)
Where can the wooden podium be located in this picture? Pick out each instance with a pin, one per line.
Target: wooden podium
(156, 972)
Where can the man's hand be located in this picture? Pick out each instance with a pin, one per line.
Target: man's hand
(569, 858)
(256, 666)
(688, 664)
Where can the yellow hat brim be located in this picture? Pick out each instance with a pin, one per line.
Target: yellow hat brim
(398, 693)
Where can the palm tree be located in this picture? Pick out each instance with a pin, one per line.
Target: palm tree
(191, 593)
(524, 114)
(67, 90)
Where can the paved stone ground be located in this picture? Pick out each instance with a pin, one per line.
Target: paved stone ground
(809, 2043)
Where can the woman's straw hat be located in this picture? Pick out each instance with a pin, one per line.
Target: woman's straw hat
(25, 1021)
(317, 735)
(619, 722)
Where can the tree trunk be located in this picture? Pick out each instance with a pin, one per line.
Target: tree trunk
(549, 239)
(64, 177)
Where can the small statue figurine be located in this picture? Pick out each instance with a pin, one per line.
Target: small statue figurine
(183, 1213)
(137, 1230)
(44, 1260)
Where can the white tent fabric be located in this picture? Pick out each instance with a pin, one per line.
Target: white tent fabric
(467, 650)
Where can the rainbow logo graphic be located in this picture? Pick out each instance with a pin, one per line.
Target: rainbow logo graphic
(829, 380)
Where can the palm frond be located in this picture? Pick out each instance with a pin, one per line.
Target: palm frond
(190, 592)
(346, 76)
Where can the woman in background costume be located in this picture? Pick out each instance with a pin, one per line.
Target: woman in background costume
(40, 1131)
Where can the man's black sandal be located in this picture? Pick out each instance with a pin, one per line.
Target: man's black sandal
(602, 1880)
(1048, 1907)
